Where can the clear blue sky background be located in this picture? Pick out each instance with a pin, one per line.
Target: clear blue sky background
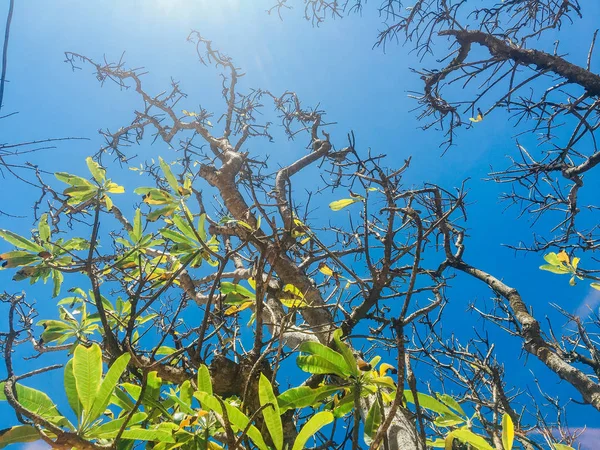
(361, 88)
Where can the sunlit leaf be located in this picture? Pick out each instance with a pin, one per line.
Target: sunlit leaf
(204, 382)
(20, 242)
(271, 412)
(168, 174)
(17, 435)
(87, 369)
(97, 171)
(107, 387)
(44, 228)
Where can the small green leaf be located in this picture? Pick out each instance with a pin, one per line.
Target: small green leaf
(97, 171)
(168, 174)
(44, 228)
(204, 382)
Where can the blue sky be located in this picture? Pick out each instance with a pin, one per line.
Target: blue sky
(360, 88)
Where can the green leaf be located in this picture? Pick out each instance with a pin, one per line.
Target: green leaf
(143, 434)
(107, 387)
(20, 242)
(595, 286)
(330, 355)
(555, 269)
(270, 413)
(18, 434)
(168, 174)
(508, 432)
(76, 244)
(428, 402)
(87, 369)
(204, 382)
(311, 427)
(552, 259)
(303, 396)
(445, 420)
(346, 353)
(186, 392)
(341, 204)
(202, 227)
(452, 403)
(319, 365)
(562, 447)
(372, 422)
(237, 418)
(71, 390)
(44, 228)
(136, 233)
(111, 429)
(97, 171)
(73, 180)
(57, 280)
(38, 402)
(468, 437)
(229, 288)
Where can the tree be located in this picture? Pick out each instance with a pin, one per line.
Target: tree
(216, 279)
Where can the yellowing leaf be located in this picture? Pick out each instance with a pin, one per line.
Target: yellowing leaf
(341, 204)
(305, 240)
(108, 202)
(563, 257)
(293, 303)
(189, 113)
(508, 432)
(479, 118)
(114, 188)
(383, 368)
(237, 308)
(325, 270)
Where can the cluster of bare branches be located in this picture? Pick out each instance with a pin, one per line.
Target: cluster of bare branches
(381, 273)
